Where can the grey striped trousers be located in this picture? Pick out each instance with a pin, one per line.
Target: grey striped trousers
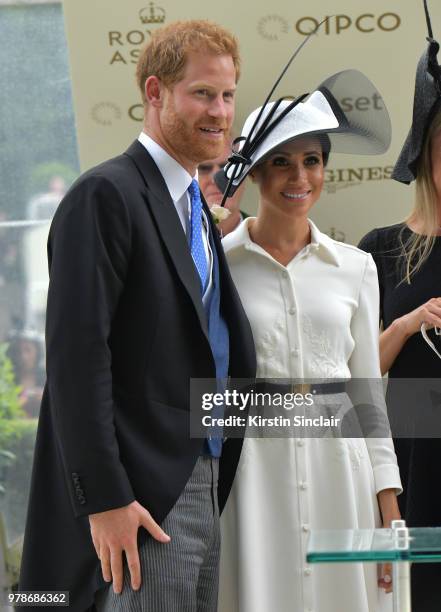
(183, 575)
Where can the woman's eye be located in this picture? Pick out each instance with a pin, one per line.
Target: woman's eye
(312, 160)
(280, 161)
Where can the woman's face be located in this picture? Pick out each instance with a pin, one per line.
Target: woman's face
(291, 179)
(28, 355)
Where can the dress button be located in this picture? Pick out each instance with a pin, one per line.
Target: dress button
(303, 486)
(307, 571)
(300, 442)
(295, 352)
(305, 527)
(292, 310)
(284, 274)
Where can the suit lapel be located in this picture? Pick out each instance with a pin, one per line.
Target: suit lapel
(169, 225)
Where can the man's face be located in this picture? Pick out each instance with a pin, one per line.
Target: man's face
(206, 171)
(198, 110)
(211, 192)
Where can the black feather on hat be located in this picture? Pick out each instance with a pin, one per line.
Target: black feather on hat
(427, 102)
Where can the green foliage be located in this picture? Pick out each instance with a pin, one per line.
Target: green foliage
(6, 459)
(18, 439)
(13, 428)
(9, 392)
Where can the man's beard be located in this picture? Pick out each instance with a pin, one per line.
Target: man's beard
(188, 141)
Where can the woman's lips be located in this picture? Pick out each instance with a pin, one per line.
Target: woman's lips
(296, 196)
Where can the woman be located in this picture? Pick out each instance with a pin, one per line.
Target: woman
(408, 257)
(312, 305)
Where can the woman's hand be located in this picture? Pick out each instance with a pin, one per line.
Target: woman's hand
(385, 577)
(387, 501)
(399, 331)
(428, 313)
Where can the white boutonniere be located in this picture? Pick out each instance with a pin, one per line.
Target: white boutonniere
(219, 213)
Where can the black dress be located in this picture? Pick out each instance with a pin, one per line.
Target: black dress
(419, 459)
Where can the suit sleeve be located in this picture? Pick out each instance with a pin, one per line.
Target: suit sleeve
(365, 365)
(89, 251)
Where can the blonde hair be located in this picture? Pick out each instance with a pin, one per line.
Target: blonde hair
(165, 54)
(417, 248)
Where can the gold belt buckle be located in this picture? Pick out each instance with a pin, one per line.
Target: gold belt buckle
(302, 388)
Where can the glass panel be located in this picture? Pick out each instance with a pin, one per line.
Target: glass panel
(353, 545)
(38, 162)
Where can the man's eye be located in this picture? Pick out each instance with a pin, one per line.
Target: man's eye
(229, 95)
(202, 92)
(205, 168)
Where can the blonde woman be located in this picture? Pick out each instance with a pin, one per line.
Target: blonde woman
(408, 258)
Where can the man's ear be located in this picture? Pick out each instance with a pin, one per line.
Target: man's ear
(154, 91)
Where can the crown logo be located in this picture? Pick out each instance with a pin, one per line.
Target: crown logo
(152, 14)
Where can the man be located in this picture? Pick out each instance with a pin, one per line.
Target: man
(212, 194)
(140, 301)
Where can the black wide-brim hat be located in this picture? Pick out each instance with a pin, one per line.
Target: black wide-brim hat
(426, 104)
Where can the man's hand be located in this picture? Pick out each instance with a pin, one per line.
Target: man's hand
(115, 532)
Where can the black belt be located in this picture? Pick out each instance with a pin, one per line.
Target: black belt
(331, 388)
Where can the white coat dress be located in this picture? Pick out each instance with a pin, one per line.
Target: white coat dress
(317, 317)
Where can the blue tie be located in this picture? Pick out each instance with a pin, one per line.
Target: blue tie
(196, 242)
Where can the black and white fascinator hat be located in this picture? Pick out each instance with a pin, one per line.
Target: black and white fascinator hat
(426, 103)
(321, 114)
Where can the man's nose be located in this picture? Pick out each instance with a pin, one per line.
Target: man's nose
(218, 108)
(211, 178)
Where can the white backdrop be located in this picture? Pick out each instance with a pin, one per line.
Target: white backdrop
(383, 38)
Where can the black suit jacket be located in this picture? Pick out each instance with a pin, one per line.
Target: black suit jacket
(126, 330)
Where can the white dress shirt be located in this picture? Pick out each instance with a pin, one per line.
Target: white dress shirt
(178, 180)
(315, 318)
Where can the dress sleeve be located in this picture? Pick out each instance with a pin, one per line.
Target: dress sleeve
(370, 244)
(364, 363)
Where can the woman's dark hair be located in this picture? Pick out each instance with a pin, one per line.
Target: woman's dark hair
(326, 147)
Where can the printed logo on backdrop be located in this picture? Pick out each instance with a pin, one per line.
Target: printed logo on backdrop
(152, 14)
(274, 27)
(343, 178)
(125, 47)
(106, 113)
